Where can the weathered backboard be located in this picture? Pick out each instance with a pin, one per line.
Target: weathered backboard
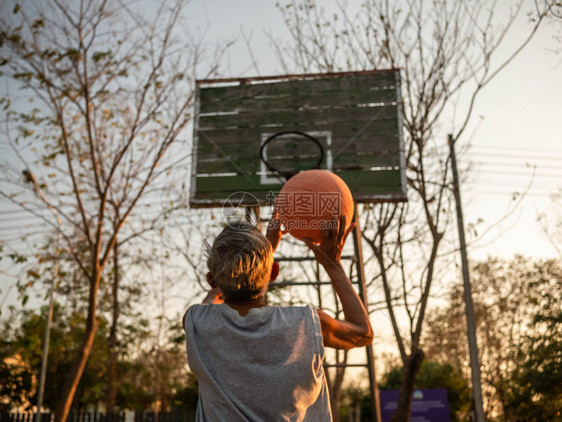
(356, 117)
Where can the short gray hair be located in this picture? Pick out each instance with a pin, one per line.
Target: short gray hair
(240, 261)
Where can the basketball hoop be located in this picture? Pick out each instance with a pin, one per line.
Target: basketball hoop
(291, 167)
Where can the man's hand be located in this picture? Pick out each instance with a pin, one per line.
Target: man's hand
(333, 240)
(273, 233)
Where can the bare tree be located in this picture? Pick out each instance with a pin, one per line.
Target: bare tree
(555, 17)
(551, 223)
(115, 92)
(444, 51)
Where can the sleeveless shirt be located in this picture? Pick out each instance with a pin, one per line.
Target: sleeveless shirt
(265, 366)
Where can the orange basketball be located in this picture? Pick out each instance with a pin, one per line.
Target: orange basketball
(310, 200)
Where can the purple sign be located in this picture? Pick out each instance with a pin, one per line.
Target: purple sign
(428, 405)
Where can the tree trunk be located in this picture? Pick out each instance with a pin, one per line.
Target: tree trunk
(111, 372)
(412, 365)
(73, 378)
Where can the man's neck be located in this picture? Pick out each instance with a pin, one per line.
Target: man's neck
(244, 306)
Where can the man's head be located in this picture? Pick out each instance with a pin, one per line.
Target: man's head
(240, 262)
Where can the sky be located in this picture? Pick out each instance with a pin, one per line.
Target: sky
(514, 133)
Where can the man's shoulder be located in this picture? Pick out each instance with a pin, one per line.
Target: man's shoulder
(198, 311)
(294, 310)
(295, 313)
(198, 307)
(204, 308)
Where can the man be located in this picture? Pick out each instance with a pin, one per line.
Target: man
(256, 362)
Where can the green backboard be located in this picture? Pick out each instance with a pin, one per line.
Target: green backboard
(356, 117)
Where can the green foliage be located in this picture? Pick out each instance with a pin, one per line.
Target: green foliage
(15, 376)
(536, 390)
(22, 347)
(17, 258)
(356, 400)
(146, 372)
(133, 388)
(391, 379)
(519, 332)
(188, 396)
(101, 55)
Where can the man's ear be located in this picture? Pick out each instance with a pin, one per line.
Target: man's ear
(274, 271)
(210, 280)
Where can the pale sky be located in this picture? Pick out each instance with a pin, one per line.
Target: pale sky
(515, 126)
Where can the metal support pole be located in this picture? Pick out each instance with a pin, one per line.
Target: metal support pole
(47, 338)
(374, 388)
(46, 346)
(470, 320)
(30, 178)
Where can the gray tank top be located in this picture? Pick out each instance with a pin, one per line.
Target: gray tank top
(266, 366)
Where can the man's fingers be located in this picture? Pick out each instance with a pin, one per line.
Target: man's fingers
(326, 234)
(349, 230)
(309, 243)
(274, 221)
(341, 229)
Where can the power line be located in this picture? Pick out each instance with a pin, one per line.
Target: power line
(149, 214)
(148, 198)
(548, 150)
(509, 184)
(508, 153)
(19, 238)
(521, 174)
(27, 216)
(513, 164)
(517, 156)
(511, 193)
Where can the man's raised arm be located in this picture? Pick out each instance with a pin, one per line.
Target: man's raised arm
(355, 330)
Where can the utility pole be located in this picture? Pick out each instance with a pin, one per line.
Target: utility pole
(46, 340)
(470, 320)
(30, 178)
